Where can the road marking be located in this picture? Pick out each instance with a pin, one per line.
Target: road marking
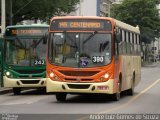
(129, 102)
(133, 99)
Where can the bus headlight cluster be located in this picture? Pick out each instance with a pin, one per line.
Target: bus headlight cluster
(53, 76)
(104, 77)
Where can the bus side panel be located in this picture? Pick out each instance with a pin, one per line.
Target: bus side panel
(131, 65)
(126, 72)
(138, 70)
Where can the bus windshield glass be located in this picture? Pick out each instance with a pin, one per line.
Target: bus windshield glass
(25, 51)
(78, 50)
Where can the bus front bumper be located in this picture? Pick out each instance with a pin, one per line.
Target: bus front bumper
(76, 87)
(12, 82)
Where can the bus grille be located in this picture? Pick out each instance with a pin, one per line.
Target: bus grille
(28, 77)
(79, 73)
(30, 81)
(29, 71)
(78, 79)
(73, 86)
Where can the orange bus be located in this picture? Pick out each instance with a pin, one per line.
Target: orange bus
(92, 55)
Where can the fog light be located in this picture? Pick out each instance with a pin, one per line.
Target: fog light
(102, 79)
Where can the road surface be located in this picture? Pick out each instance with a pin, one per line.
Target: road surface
(145, 100)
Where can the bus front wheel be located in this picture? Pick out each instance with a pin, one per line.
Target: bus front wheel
(116, 96)
(17, 91)
(61, 97)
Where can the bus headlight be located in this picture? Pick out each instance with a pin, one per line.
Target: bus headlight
(106, 76)
(8, 73)
(51, 75)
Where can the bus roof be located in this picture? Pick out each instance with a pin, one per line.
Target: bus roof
(113, 21)
(80, 17)
(127, 26)
(23, 26)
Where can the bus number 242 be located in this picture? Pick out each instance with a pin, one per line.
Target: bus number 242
(39, 62)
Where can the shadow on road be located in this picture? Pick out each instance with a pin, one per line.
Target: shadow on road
(33, 92)
(91, 98)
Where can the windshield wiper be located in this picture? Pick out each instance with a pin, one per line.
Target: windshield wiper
(20, 43)
(93, 34)
(37, 43)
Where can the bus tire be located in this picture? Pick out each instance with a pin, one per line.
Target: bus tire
(116, 96)
(61, 97)
(130, 91)
(16, 91)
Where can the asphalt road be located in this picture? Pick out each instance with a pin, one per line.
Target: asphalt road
(145, 100)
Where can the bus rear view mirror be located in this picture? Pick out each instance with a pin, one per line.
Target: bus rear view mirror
(118, 37)
(45, 37)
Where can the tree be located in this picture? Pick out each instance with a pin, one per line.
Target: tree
(139, 12)
(39, 9)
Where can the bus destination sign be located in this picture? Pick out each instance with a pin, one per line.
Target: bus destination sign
(80, 25)
(25, 31)
(74, 24)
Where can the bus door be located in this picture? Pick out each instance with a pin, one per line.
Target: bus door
(116, 58)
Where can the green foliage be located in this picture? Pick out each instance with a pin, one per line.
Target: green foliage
(39, 9)
(139, 12)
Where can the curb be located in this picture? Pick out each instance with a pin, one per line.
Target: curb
(5, 90)
(151, 65)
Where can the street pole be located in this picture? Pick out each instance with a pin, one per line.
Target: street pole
(109, 10)
(80, 7)
(3, 16)
(11, 12)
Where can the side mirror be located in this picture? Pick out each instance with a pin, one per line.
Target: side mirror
(118, 37)
(45, 38)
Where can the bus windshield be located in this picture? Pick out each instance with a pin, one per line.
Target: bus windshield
(73, 49)
(25, 51)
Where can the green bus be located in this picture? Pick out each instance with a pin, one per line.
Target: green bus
(24, 53)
